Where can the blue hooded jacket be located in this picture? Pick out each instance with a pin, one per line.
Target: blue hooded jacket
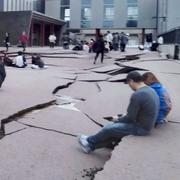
(165, 101)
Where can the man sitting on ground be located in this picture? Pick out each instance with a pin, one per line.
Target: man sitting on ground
(37, 62)
(2, 72)
(20, 60)
(140, 118)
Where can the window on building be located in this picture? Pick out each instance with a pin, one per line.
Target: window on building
(65, 2)
(132, 13)
(86, 14)
(65, 11)
(108, 13)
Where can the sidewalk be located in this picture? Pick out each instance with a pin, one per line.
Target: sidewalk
(40, 141)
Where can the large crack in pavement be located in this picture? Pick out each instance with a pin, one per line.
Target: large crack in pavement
(63, 86)
(22, 113)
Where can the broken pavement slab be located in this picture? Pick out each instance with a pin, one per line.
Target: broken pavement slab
(118, 78)
(62, 120)
(35, 154)
(93, 77)
(146, 158)
(80, 90)
(105, 103)
(106, 69)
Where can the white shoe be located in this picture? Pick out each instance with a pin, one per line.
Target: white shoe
(82, 139)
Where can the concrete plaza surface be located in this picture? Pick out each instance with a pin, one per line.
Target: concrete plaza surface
(43, 111)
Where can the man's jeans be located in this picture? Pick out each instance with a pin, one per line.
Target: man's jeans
(114, 132)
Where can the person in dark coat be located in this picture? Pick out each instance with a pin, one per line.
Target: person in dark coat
(123, 41)
(37, 62)
(2, 72)
(99, 48)
(6, 41)
(7, 60)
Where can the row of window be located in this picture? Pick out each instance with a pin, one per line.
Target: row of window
(21, 5)
(86, 13)
(18, 5)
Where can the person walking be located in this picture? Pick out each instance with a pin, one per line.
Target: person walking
(123, 41)
(24, 40)
(109, 39)
(116, 41)
(7, 41)
(99, 48)
(141, 115)
(52, 40)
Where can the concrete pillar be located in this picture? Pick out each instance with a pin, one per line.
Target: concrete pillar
(5, 5)
(17, 5)
(32, 31)
(42, 34)
(9, 5)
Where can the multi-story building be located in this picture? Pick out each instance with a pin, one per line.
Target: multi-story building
(130, 16)
(17, 16)
(168, 15)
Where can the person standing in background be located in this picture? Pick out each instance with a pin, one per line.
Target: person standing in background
(109, 39)
(99, 48)
(7, 41)
(52, 40)
(24, 40)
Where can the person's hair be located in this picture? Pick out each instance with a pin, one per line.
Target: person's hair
(20, 53)
(149, 78)
(135, 76)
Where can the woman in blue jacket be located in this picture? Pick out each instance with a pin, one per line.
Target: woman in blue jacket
(165, 102)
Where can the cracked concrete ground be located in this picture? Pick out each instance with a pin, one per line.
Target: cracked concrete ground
(40, 143)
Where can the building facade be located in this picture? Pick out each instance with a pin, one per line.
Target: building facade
(27, 16)
(168, 15)
(131, 16)
(16, 5)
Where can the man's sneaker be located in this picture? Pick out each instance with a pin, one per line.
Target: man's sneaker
(82, 139)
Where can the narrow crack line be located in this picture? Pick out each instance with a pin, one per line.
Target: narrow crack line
(50, 130)
(175, 122)
(63, 57)
(154, 60)
(99, 87)
(97, 123)
(15, 132)
(175, 73)
(23, 112)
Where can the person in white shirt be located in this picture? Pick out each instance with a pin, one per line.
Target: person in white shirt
(52, 40)
(109, 38)
(20, 61)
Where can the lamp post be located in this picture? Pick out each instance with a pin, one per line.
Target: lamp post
(157, 17)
